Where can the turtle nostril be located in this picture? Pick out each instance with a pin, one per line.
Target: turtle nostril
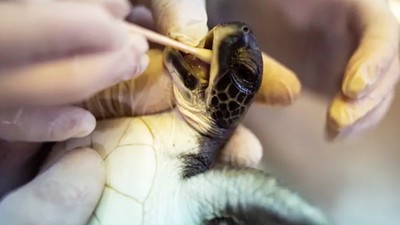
(245, 29)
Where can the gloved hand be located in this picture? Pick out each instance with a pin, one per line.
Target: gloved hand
(39, 112)
(372, 71)
(344, 49)
(53, 53)
(69, 52)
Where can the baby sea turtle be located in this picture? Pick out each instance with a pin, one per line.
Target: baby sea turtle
(161, 168)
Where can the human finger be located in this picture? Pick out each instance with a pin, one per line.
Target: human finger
(378, 48)
(345, 113)
(117, 8)
(72, 80)
(372, 118)
(66, 192)
(280, 86)
(43, 124)
(149, 93)
(183, 20)
(142, 16)
(56, 29)
(243, 149)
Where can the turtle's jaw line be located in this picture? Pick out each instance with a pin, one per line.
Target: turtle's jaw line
(193, 116)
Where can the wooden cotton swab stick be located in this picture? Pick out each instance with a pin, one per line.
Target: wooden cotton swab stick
(202, 54)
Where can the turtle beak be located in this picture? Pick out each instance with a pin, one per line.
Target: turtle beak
(246, 196)
(212, 42)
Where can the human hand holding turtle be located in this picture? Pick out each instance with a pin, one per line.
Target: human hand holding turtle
(363, 71)
(54, 53)
(65, 184)
(266, 95)
(161, 167)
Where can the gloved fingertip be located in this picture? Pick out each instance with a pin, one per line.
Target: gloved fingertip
(280, 85)
(183, 20)
(141, 16)
(278, 94)
(356, 83)
(86, 124)
(139, 62)
(243, 149)
(143, 64)
(333, 127)
(130, 61)
(339, 115)
(346, 117)
(139, 44)
(138, 68)
(119, 8)
(190, 35)
(73, 124)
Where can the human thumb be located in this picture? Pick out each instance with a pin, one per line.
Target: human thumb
(182, 20)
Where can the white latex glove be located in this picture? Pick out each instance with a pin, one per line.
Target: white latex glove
(182, 20)
(56, 53)
(41, 73)
(53, 53)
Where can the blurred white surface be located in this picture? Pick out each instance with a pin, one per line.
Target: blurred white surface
(357, 180)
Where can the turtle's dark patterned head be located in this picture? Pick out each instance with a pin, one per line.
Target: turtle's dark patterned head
(213, 98)
(217, 96)
(237, 76)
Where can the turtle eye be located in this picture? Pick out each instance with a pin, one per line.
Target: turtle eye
(247, 68)
(246, 74)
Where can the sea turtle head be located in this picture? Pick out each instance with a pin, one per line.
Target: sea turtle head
(215, 97)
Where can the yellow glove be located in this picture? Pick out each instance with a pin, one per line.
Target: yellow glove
(372, 71)
(344, 49)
